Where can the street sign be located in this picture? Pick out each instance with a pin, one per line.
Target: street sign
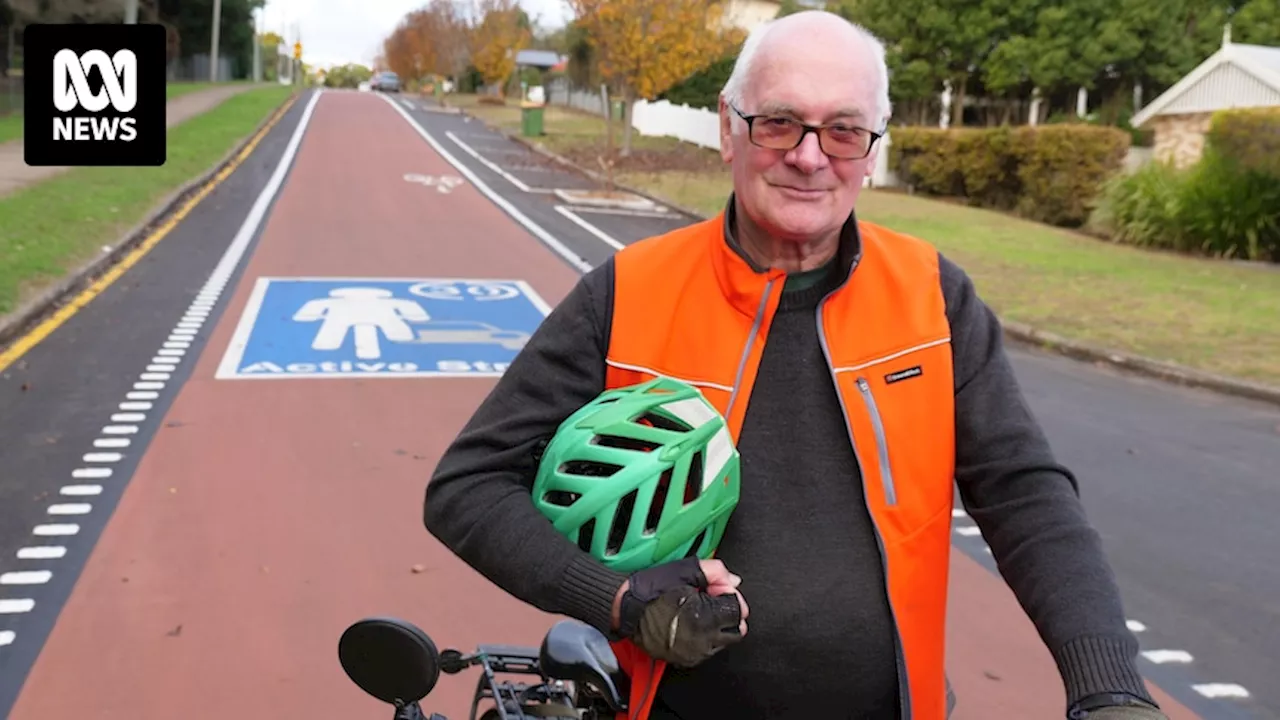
(381, 327)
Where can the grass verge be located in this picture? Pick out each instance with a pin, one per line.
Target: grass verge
(52, 227)
(11, 123)
(1212, 315)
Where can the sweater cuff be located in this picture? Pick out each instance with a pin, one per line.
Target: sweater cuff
(1100, 664)
(588, 592)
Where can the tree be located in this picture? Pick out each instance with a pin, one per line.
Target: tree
(504, 30)
(643, 47)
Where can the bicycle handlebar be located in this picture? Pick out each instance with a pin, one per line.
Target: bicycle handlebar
(398, 663)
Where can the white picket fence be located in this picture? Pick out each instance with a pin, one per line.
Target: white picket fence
(697, 126)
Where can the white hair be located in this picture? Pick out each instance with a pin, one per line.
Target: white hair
(735, 87)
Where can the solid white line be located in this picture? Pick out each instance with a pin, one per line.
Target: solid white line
(56, 529)
(81, 490)
(26, 577)
(103, 457)
(112, 442)
(87, 473)
(571, 257)
(7, 637)
(43, 552)
(490, 164)
(608, 240)
(1161, 657)
(235, 252)
(1218, 690)
(70, 509)
(16, 606)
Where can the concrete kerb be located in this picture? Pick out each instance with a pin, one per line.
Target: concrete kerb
(1025, 334)
(29, 314)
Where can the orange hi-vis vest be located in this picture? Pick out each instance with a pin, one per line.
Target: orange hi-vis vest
(687, 306)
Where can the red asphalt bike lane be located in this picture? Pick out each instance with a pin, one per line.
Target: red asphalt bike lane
(266, 516)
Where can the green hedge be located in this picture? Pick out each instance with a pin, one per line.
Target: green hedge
(1226, 205)
(1049, 173)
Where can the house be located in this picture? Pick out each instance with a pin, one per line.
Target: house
(1236, 76)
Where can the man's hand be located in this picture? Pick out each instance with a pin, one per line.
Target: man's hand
(682, 612)
(1132, 712)
(1115, 706)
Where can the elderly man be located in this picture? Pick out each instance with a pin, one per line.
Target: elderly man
(862, 379)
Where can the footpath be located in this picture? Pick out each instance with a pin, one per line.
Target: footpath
(16, 174)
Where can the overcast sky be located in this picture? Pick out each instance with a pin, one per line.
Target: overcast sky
(341, 31)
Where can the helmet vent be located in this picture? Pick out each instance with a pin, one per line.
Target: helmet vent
(693, 484)
(589, 468)
(621, 521)
(624, 443)
(586, 535)
(560, 498)
(661, 422)
(659, 501)
(696, 544)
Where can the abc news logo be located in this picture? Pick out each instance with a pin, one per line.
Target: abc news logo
(95, 95)
(71, 91)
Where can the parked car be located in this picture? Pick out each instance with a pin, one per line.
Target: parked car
(385, 81)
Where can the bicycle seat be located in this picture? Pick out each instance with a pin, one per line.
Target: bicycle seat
(578, 652)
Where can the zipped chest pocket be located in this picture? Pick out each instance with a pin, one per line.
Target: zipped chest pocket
(902, 420)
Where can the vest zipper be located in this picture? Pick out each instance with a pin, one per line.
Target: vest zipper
(904, 683)
(746, 350)
(882, 444)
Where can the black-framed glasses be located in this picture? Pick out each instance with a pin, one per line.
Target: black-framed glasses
(779, 132)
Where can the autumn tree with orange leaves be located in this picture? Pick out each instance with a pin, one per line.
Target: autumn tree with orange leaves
(427, 41)
(644, 47)
(502, 32)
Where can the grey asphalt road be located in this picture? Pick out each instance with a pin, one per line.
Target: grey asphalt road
(1183, 485)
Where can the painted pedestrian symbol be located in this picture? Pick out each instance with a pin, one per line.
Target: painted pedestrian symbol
(364, 312)
(443, 184)
(378, 327)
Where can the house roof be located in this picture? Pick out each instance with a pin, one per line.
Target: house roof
(1235, 76)
(538, 58)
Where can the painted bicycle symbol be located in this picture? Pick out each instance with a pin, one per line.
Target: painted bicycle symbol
(444, 184)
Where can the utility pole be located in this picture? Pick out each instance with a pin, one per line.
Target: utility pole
(130, 12)
(213, 44)
(257, 46)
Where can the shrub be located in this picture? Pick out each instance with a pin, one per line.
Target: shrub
(1227, 205)
(1050, 173)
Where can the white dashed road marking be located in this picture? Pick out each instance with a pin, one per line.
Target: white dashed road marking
(138, 399)
(1159, 657)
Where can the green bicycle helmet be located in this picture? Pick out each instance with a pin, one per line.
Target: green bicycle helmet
(641, 475)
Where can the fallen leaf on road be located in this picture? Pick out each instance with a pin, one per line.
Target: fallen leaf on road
(176, 631)
(25, 387)
(419, 569)
(991, 675)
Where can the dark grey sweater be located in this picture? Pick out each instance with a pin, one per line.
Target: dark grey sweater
(819, 637)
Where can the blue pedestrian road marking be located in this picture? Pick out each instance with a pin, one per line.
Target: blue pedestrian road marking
(381, 327)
